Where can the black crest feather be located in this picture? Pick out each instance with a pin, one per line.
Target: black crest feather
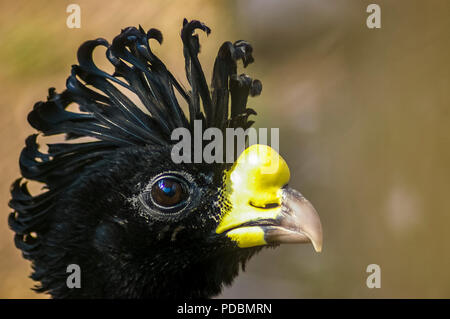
(114, 121)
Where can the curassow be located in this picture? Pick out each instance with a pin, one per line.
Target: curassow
(116, 204)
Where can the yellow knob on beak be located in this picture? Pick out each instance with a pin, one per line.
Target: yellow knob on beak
(260, 209)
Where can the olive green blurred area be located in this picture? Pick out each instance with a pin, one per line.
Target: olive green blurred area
(364, 118)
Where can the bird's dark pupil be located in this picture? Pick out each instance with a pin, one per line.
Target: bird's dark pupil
(168, 187)
(168, 192)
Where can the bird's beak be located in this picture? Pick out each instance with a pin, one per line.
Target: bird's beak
(298, 222)
(260, 209)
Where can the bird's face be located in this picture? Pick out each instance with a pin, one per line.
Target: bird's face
(168, 217)
(136, 223)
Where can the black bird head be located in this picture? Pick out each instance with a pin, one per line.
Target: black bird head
(114, 202)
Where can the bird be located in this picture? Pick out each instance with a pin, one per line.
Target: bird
(115, 204)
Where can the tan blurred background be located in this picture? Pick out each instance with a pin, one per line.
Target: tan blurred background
(363, 114)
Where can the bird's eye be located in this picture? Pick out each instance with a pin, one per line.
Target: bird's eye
(168, 192)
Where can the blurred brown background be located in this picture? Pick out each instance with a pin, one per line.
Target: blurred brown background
(363, 115)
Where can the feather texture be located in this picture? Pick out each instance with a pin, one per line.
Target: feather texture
(114, 121)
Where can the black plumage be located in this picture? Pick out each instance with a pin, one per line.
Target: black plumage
(115, 204)
(86, 214)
